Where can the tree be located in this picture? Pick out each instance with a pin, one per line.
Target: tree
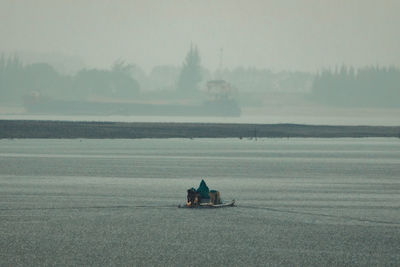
(116, 82)
(41, 77)
(11, 74)
(190, 75)
(365, 87)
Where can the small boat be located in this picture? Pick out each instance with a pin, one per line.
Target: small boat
(203, 197)
(208, 205)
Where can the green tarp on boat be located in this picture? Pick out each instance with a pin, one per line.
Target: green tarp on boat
(203, 190)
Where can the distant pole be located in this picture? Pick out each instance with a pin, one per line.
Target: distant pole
(218, 73)
(221, 53)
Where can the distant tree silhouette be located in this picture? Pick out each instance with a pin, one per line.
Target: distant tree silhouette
(164, 77)
(116, 82)
(191, 73)
(41, 77)
(11, 79)
(123, 85)
(368, 86)
(17, 82)
(264, 80)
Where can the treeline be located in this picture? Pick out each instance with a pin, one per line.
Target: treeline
(346, 86)
(263, 80)
(245, 79)
(364, 87)
(124, 80)
(18, 81)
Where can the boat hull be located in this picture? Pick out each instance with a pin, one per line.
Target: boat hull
(209, 206)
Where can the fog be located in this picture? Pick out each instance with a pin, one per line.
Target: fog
(279, 61)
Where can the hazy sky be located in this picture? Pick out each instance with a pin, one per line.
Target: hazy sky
(294, 35)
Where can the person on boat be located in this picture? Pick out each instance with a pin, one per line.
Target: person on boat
(202, 195)
(215, 197)
(191, 196)
(203, 192)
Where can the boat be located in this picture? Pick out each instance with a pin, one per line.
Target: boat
(203, 197)
(209, 205)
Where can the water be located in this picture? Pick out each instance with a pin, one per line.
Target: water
(307, 202)
(261, 115)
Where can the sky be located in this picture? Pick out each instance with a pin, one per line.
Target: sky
(304, 35)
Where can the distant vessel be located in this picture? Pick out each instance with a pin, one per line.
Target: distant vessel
(37, 104)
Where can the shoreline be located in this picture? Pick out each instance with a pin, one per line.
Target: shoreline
(136, 130)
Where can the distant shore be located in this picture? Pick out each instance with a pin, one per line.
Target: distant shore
(133, 130)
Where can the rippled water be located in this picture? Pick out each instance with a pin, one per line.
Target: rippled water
(114, 202)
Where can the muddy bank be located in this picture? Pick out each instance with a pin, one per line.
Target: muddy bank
(72, 129)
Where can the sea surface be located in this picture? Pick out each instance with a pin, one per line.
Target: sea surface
(300, 202)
